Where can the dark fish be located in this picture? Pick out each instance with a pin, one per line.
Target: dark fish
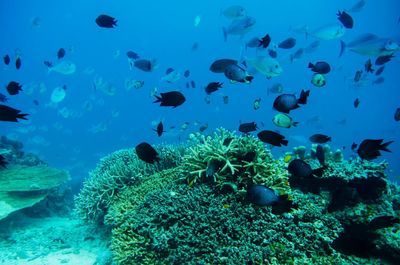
(272, 53)
(300, 169)
(170, 99)
(236, 73)
(261, 195)
(264, 41)
(225, 99)
(247, 127)
(36, 102)
(272, 138)
(212, 87)
(287, 102)
(6, 59)
(3, 98)
(368, 66)
(160, 129)
(10, 114)
(358, 76)
(379, 80)
(203, 127)
(220, 65)
(195, 46)
(320, 67)
(105, 21)
(213, 166)
(192, 84)
(380, 70)
(18, 63)
(187, 84)
(257, 103)
(13, 88)
(169, 70)
(227, 141)
(147, 153)
(3, 161)
(48, 64)
(370, 149)
(397, 114)
(144, 65)
(132, 55)
(319, 138)
(320, 154)
(346, 20)
(186, 74)
(288, 43)
(381, 60)
(356, 103)
(354, 146)
(60, 53)
(207, 99)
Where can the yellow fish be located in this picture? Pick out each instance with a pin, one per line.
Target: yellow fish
(287, 158)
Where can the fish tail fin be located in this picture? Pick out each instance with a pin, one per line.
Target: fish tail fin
(342, 48)
(22, 116)
(249, 78)
(295, 123)
(303, 97)
(285, 142)
(225, 33)
(384, 147)
(310, 65)
(158, 99)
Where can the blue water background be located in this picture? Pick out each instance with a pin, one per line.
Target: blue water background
(164, 30)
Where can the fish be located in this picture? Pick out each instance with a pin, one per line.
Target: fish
(356, 103)
(287, 158)
(212, 87)
(318, 80)
(268, 67)
(186, 74)
(379, 70)
(297, 55)
(287, 102)
(170, 99)
(6, 59)
(328, 32)
(132, 55)
(346, 20)
(159, 129)
(203, 127)
(10, 114)
(64, 67)
(312, 47)
(320, 138)
(275, 89)
(287, 43)
(234, 12)
(320, 67)
(357, 7)
(195, 46)
(299, 169)
(145, 65)
(247, 127)
(171, 76)
(58, 94)
(284, 121)
(236, 73)
(106, 21)
(192, 84)
(213, 166)
(273, 53)
(184, 126)
(239, 27)
(368, 66)
(147, 153)
(397, 114)
(272, 138)
(357, 76)
(264, 41)
(3, 98)
(381, 60)
(257, 103)
(36, 102)
(369, 149)
(60, 53)
(18, 63)
(320, 154)
(261, 195)
(225, 99)
(370, 45)
(13, 88)
(3, 161)
(354, 146)
(219, 66)
(379, 80)
(253, 43)
(196, 21)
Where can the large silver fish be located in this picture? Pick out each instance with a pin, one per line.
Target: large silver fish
(371, 45)
(267, 66)
(64, 67)
(239, 27)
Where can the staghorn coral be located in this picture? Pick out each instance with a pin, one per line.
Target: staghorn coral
(240, 160)
(114, 173)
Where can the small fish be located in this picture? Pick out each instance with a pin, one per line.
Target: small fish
(105, 21)
(3, 98)
(261, 195)
(287, 43)
(275, 89)
(257, 103)
(369, 149)
(170, 99)
(357, 6)
(185, 125)
(300, 169)
(207, 99)
(247, 127)
(64, 67)
(234, 12)
(58, 94)
(239, 27)
(219, 66)
(3, 161)
(171, 76)
(145, 65)
(346, 20)
(320, 67)
(380, 70)
(195, 46)
(273, 53)
(318, 80)
(328, 32)
(13, 88)
(60, 53)
(18, 63)
(272, 138)
(287, 102)
(159, 129)
(297, 55)
(397, 114)
(192, 84)
(312, 47)
(10, 114)
(132, 55)
(320, 154)
(147, 153)
(287, 158)
(264, 41)
(225, 99)
(235, 73)
(357, 76)
(284, 121)
(213, 166)
(356, 103)
(319, 138)
(186, 74)
(368, 66)
(36, 102)
(212, 87)
(196, 21)
(354, 146)
(379, 81)
(381, 60)
(6, 59)
(203, 127)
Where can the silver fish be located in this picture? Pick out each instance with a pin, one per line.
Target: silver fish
(239, 27)
(371, 45)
